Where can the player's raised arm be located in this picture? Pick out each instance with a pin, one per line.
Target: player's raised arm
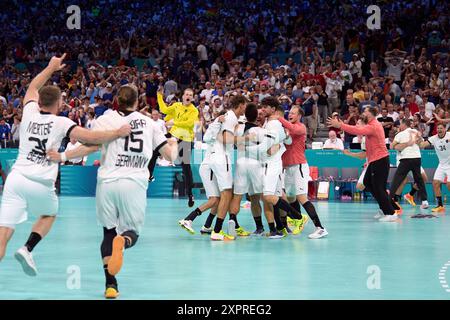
(41, 79)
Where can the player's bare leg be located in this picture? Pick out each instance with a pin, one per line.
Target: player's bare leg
(256, 213)
(234, 229)
(40, 229)
(186, 223)
(5, 235)
(222, 210)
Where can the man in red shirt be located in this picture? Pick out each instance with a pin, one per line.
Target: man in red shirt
(411, 104)
(297, 170)
(377, 156)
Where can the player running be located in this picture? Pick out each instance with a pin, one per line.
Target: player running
(122, 179)
(30, 187)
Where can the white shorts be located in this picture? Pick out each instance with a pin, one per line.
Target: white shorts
(296, 179)
(248, 177)
(441, 173)
(23, 196)
(272, 178)
(209, 181)
(361, 177)
(121, 204)
(220, 164)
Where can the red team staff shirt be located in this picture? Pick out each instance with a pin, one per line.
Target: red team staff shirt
(375, 140)
(295, 152)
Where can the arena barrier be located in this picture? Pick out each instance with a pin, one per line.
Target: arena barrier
(81, 180)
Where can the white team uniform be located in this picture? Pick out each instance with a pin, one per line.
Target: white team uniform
(248, 174)
(272, 165)
(122, 178)
(209, 180)
(408, 152)
(30, 187)
(220, 158)
(442, 147)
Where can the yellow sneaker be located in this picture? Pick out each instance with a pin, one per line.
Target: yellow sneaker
(290, 222)
(221, 236)
(116, 261)
(241, 232)
(299, 224)
(399, 211)
(438, 209)
(410, 199)
(285, 232)
(111, 292)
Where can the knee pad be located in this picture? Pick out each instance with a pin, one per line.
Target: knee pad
(132, 235)
(108, 237)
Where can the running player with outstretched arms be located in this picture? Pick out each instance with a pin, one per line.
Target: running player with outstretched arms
(122, 179)
(30, 187)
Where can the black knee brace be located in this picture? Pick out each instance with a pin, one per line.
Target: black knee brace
(108, 237)
(133, 236)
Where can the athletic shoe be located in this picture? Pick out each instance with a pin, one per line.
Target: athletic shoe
(258, 233)
(241, 232)
(288, 230)
(290, 222)
(221, 236)
(389, 218)
(191, 201)
(318, 233)
(299, 224)
(379, 214)
(400, 210)
(205, 230)
(424, 205)
(275, 235)
(187, 225)
(410, 199)
(111, 291)
(438, 209)
(116, 260)
(151, 179)
(25, 259)
(285, 232)
(232, 228)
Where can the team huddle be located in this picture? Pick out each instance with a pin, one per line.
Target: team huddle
(270, 166)
(270, 169)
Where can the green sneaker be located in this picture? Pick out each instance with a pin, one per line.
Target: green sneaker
(299, 224)
(241, 232)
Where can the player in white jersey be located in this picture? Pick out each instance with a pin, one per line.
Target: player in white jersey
(441, 143)
(271, 150)
(247, 177)
(209, 181)
(220, 162)
(122, 179)
(410, 159)
(30, 187)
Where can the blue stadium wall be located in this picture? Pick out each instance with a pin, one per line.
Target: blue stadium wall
(81, 180)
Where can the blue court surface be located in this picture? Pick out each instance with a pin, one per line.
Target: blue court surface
(360, 259)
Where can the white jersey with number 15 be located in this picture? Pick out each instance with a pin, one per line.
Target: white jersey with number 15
(128, 158)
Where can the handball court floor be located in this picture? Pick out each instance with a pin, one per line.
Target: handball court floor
(360, 259)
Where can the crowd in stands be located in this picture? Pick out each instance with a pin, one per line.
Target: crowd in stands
(316, 54)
